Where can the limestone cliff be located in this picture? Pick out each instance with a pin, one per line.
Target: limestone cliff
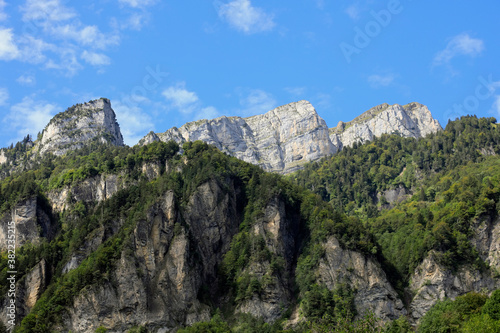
(280, 140)
(80, 125)
(411, 120)
(30, 222)
(284, 139)
(432, 281)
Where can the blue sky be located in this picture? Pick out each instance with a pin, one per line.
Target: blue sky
(164, 63)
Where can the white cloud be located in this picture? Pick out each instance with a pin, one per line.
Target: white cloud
(244, 17)
(138, 3)
(180, 98)
(257, 102)
(26, 80)
(47, 10)
(8, 50)
(3, 16)
(461, 44)
(209, 112)
(89, 35)
(4, 96)
(378, 81)
(95, 59)
(30, 116)
(68, 62)
(33, 49)
(296, 91)
(134, 122)
(353, 11)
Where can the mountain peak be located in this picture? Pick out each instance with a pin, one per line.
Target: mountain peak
(411, 120)
(81, 124)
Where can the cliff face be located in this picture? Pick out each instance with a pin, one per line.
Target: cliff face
(284, 139)
(412, 120)
(30, 222)
(432, 281)
(175, 257)
(79, 125)
(280, 141)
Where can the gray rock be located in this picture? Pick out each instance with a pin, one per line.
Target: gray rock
(411, 120)
(78, 126)
(281, 140)
(284, 139)
(373, 291)
(30, 222)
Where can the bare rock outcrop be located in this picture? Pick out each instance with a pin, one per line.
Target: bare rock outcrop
(80, 125)
(27, 221)
(411, 120)
(373, 292)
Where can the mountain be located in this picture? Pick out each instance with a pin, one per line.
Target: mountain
(284, 139)
(159, 240)
(158, 237)
(78, 126)
(412, 120)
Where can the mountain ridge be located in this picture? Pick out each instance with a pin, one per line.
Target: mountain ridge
(276, 151)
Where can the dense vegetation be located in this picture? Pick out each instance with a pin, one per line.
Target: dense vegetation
(454, 176)
(351, 179)
(452, 179)
(472, 312)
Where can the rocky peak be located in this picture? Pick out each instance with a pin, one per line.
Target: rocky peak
(81, 124)
(281, 140)
(285, 138)
(411, 120)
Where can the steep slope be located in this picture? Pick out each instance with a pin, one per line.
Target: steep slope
(412, 120)
(284, 139)
(280, 140)
(80, 125)
(159, 240)
(433, 204)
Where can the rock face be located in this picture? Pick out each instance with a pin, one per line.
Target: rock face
(3, 158)
(411, 120)
(29, 221)
(80, 125)
(175, 253)
(373, 292)
(284, 139)
(432, 282)
(281, 140)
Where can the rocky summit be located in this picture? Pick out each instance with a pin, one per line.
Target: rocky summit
(80, 125)
(412, 120)
(284, 139)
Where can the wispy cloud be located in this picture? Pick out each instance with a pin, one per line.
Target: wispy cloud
(55, 36)
(3, 15)
(209, 112)
(48, 10)
(180, 98)
(134, 122)
(353, 11)
(256, 101)
(296, 91)
(244, 17)
(26, 80)
(96, 59)
(460, 45)
(29, 116)
(8, 50)
(188, 103)
(138, 3)
(379, 81)
(4, 96)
